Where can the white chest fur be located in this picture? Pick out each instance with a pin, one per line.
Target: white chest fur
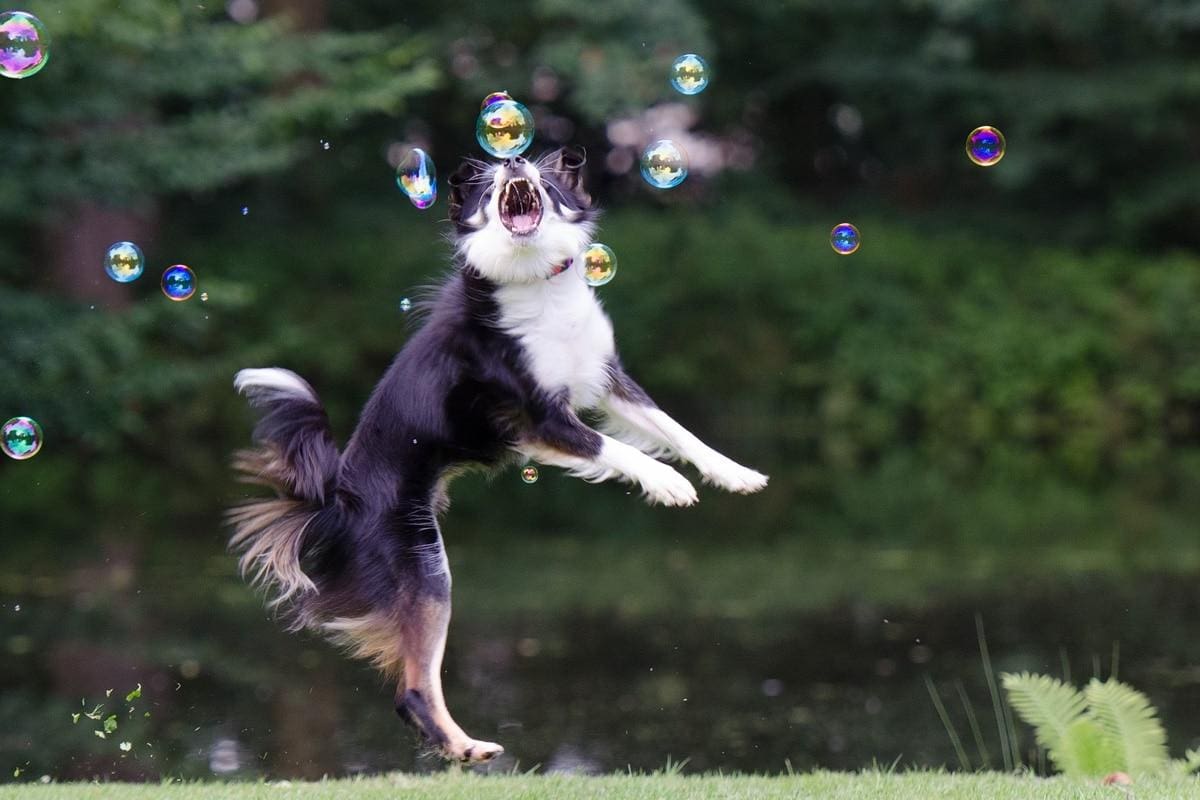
(567, 336)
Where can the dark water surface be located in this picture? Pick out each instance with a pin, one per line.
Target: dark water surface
(229, 694)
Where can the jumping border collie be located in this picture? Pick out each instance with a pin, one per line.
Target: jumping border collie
(514, 347)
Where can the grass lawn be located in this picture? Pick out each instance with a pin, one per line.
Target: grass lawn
(450, 786)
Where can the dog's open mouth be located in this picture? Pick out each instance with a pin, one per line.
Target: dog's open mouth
(520, 207)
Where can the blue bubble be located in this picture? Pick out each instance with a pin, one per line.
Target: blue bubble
(985, 146)
(844, 238)
(21, 438)
(179, 282)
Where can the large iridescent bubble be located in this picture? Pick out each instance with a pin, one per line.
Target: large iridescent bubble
(24, 44)
(664, 164)
(417, 178)
(123, 261)
(689, 74)
(505, 129)
(21, 438)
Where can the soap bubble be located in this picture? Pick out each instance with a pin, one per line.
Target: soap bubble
(529, 474)
(664, 164)
(245, 211)
(494, 97)
(844, 238)
(24, 44)
(599, 264)
(505, 129)
(204, 297)
(417, 178)
(689, 74)
(21, 438)
(405, 304)
(123, 261)
(985, 146)
(179, 282)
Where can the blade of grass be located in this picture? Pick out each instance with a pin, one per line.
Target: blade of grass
(985, 759)
(997, 707)
(963, 761)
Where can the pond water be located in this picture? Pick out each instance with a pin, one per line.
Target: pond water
(225, 692)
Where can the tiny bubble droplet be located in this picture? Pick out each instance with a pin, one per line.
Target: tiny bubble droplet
(529, 474)
(405, 304)
(204, 297)
(324, 144)
(245, 211)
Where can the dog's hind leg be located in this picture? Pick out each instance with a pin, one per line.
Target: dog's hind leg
(424, 620)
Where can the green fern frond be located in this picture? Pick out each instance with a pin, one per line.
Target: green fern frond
(1049, 705)
(1130, 721)
(1086, 750)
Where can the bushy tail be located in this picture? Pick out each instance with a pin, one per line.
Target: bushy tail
(296, 456)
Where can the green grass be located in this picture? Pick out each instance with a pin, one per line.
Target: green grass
(830, 785)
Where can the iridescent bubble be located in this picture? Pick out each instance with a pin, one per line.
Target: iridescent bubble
(179, 282)
(123, 261)
(417, 178)
(844, 238)
(494, 97)
(405, 305)
(24, 44)
(599, 264)
(985, 146)
(245, 211)
(529, 474)
(664, 164)
(505, 129)
(689, 74)
(21, 438)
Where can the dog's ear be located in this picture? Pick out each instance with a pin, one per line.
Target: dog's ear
(463, 176)
(567, 165)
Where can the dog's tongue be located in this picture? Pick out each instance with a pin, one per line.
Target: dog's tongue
(523, 223)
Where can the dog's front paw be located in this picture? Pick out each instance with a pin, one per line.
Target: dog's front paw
(732, 476)
(665, 486)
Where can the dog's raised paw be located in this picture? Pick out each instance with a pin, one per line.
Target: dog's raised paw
(474, 752)
(733, 477)
(665, 486)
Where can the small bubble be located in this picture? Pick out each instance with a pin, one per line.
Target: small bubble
(504, 129)
(599, 264)
(324, 144)
(494, 97)
(529, 474)
(24, 44)
(245, 211)
(417, 178)
(689, 74)
(405, 304)
(178, 282)
(664, 164)
(844, 238)
(123, 261)
(985, 146)
(21, 438)
(204, 297)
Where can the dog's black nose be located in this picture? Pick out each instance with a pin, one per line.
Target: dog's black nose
(515, 161)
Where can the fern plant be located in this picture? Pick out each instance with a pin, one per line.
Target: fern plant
(1108, 727)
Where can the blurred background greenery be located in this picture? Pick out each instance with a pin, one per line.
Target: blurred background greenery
(993, 407)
